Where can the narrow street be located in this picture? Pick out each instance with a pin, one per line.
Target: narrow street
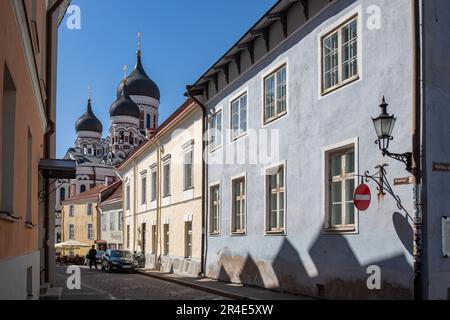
(99, 285)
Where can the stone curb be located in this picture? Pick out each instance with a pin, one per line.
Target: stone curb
(197, 286)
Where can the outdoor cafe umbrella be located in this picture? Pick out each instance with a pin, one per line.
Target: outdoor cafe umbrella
(71, 245)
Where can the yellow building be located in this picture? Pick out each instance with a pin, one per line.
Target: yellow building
(81, 218)
(162, 183)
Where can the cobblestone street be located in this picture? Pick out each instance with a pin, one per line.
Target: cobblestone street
(99, 285)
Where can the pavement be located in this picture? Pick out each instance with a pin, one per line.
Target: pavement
(232, 291)
(100, 285)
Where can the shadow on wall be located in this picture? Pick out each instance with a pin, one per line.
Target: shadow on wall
(339, 273)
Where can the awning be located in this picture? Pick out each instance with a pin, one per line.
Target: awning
(58, 169)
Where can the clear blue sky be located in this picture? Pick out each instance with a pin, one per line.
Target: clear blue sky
(181, 39)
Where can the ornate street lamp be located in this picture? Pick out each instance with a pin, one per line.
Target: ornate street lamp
(384, 125)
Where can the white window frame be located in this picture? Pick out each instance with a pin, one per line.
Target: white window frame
(166, 180)
(326, 152)
(144, 188)
(240, 132)
(212, 130)
(272, 71)
(71, 230)
(188, 149)
(127, 197)
(211, 231)
(89, 227)
(354, 14)
(112, 221)
(120, 220)
(269, 171)
(89, 208)
(188, 250)
(242, 231)
(154, 183)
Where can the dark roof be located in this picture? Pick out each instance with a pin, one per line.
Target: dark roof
(139, 83)
(124, 106)
(115, 196)
(88, 121)
(90, 194)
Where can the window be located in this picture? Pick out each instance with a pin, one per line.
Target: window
(62, 194)
(275, 100)
(144, 189)
(112, 222)
(128, 236)
(131, 138)
(90, 231)
(188, 239)
(71, 232)
(127, 198)
(188, 172)
(238, 207)
(239, 116)
(104, 223)
(89, 209)
(154, 243)
(120, 220)
(121, 137)
(215, 210)
(7, 142)
(341, 180)
(166, 174)
(30, 282)
(71, 211)
(29, 214)
(166, 239)
(149, 121)
(82, 188)
(340, 56)
(143, 236)
(215, 134)
(153, 185)
(276, 200)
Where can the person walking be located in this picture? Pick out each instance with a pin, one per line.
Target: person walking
(92, 258)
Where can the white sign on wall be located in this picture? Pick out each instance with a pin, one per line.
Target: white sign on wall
(446, 237)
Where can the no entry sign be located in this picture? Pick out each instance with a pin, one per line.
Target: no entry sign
(362, 197)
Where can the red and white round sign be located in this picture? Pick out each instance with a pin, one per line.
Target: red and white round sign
(362, 197)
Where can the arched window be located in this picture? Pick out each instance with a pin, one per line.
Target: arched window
(155, 123)
(149, 122)
(85, 149)
(82, 188)
(121, 137)
(62, 194)
(131, 138)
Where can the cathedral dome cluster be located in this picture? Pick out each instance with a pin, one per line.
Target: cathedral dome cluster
(132, 115)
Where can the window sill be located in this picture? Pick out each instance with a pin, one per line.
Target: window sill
(239, 234)
(238, 137)
(30, 225)
(272, 120)
(188, 189)
(9, 217)
(339, 231)
(341, 85)
(214, 234)
(212, 151)
(276, 233)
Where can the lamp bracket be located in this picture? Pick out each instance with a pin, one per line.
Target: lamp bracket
(406, 158)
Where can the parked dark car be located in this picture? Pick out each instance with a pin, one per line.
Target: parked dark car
(122, 260)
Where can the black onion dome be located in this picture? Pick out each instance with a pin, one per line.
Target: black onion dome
(88, 121)
(124, 106)
(139, 83)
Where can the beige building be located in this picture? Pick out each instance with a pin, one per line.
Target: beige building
(81, 218)
(162, 184)
(28, 59)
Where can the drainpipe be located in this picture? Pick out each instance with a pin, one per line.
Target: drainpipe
(190, 94)
(418, 159)
(135, 205)
(51, 130)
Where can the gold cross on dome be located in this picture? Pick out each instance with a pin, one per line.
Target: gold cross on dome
(89, 92)
(139, 41)
(125, 72)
